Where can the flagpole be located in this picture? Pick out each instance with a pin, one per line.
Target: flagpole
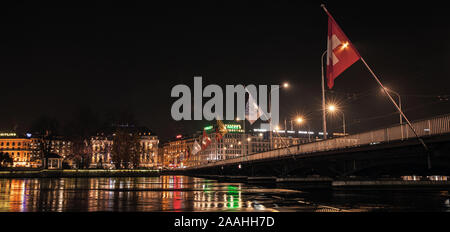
(392, 100)
(324, 117)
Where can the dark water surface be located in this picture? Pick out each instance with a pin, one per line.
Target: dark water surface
(182, 193)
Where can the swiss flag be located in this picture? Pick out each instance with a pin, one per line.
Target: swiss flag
(341, 53)
(205, 140)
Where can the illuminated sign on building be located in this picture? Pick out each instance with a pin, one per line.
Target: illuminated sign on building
(179, 136)
(231, 128)
(7, 134)
(208, 128)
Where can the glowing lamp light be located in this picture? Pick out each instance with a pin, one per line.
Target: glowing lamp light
(332, 108)
(345, 45)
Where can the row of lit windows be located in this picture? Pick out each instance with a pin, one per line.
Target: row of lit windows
(13, 144)
(17, 153)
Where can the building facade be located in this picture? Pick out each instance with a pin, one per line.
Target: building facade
(18, 148)
(235, 143)
(102, 145)
(176, 152)
(51, 144)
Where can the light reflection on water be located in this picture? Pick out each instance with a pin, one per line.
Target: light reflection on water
(182, 193)
(165, 193)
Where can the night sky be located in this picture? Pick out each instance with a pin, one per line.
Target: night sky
(56, 59)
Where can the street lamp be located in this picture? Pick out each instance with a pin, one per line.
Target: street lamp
(300, 120)
(244, 135)
(284, 85)
(333, 108)
(324, 118)
(399, 106)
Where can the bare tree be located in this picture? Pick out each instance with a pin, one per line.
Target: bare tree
(5, 160)
(79, 131)
(126, 150)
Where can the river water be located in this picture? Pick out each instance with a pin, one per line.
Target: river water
(183, 194)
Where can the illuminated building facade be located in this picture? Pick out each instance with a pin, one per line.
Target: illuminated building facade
(101, 156)
(55, 144)
(235, 143)
(18, 148)
(177, 152)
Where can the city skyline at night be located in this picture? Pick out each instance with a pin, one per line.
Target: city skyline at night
(224, 116)
(129, 63)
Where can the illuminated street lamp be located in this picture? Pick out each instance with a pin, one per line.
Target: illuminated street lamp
(332, 108)
(244, 135)
(300, 120)
(399, 106)
(284, 85)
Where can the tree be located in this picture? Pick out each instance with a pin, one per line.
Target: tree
(5, 160)
(126, 150)
(79, 130)
(81, 150)
(46, 128)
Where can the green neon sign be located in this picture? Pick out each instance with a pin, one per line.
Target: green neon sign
(233, 126)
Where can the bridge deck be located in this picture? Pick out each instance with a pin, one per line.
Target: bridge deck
(424, 128)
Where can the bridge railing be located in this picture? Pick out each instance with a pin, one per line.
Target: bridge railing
(428, 127)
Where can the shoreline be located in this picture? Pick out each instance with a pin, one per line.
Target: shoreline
(78, 173)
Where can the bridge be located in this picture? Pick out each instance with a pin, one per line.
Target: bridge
(392, 151)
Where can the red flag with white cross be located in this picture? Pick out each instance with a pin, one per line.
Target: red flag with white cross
(341, 53)
(205, 140)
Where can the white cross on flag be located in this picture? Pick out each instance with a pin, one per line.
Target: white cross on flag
(196, 148)
(252, 110)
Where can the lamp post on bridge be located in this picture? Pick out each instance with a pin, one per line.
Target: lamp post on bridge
(333, 108)
(285, 85)
(399, 105)
(300, 120)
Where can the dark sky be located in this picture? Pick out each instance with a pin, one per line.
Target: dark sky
(56, 59)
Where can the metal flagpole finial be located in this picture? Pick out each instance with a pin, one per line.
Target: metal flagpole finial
(325, 9)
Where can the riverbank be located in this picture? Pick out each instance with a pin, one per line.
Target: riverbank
(78, 173)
